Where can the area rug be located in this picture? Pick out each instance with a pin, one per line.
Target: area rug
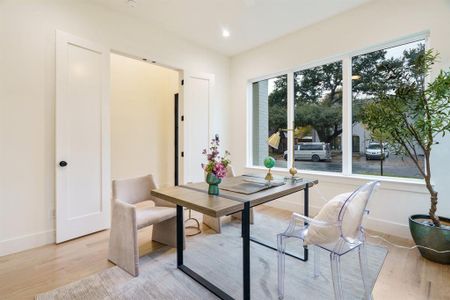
(218, 257)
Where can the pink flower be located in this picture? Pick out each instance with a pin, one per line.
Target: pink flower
(216, 163)
(220, 170)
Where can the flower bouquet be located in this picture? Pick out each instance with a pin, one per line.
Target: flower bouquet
(216, 166)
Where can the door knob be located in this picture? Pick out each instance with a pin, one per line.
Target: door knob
(62, 163)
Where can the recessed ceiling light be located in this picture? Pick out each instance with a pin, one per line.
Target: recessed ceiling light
(225, 33)
(132, 3)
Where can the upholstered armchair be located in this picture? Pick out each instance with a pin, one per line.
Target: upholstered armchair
(216, 223)
(134, 208)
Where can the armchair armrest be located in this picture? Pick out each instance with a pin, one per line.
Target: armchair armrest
(301, 221)
(123, 247)
(123, 215)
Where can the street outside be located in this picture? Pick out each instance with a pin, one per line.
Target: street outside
(394, 165)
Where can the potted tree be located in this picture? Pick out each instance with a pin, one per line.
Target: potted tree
(413, 115)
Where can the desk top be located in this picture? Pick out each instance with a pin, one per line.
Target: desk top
(195, 196)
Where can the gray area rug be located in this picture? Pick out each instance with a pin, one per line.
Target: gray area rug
(218, 257)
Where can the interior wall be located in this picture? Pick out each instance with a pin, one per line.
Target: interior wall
(142, 119)
(371, 24)
(27, 99)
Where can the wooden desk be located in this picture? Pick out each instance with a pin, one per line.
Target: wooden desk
(195, 196)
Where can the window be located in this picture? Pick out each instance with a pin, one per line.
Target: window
(312, 146)
(318, 118)
(315, 99)
(373, 156)
(269, 115)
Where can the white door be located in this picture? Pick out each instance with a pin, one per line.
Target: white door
(82, 137)
(196, 104)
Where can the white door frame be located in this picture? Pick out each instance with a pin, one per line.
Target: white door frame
(183, 76)
(181, 110)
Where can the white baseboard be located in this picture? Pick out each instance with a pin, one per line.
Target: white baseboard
(388, 227)
(26, 242)
(375, 224)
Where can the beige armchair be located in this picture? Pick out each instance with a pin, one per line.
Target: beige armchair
(134, 208)
(216, 223)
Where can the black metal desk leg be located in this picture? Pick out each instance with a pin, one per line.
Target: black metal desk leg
(185, 269)
(180, 238)
(246, 249)
(306, 213)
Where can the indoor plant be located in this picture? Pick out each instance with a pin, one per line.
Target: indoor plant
(413, 115)
(216, 166)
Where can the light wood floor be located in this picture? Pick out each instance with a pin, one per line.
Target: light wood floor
(405, 275)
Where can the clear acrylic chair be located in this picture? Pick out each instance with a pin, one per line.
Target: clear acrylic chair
(351, 236)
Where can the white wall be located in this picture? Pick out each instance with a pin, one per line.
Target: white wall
(27, 96)
(142, 119)
(374, 23)
(27, 99)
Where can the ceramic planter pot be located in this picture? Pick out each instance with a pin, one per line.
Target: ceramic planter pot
(213, 182)
(432, 237)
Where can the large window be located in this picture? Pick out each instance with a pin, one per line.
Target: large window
(318, 118)
(269, 115)
(315, 100)
(371, 154)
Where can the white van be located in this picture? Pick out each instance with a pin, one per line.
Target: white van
(311, 151)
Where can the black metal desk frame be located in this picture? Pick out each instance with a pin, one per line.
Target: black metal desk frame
(246, 239)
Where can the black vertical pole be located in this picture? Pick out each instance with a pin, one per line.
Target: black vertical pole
(306, 214)
(180, 237)
(246, 249)
(176, 138)
(381, 157)
(306, 202)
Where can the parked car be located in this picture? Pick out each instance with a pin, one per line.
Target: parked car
(311, 151)
(373, 151)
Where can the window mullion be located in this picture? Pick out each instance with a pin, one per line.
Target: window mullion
(347, 115)
(290, 116)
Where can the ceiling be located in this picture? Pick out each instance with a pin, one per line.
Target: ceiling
(250, 22)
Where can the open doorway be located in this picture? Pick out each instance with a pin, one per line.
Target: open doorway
(142, 119)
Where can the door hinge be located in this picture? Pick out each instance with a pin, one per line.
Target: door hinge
(182, 153)
(182, 118)
(182, 82)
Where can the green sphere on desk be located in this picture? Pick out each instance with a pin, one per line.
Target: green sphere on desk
(269, 162)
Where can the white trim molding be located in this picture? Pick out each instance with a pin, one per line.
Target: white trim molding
(26, 242)
(391, 183)
(347, 130)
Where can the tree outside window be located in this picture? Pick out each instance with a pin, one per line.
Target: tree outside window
(374, 156)
(318, 106)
